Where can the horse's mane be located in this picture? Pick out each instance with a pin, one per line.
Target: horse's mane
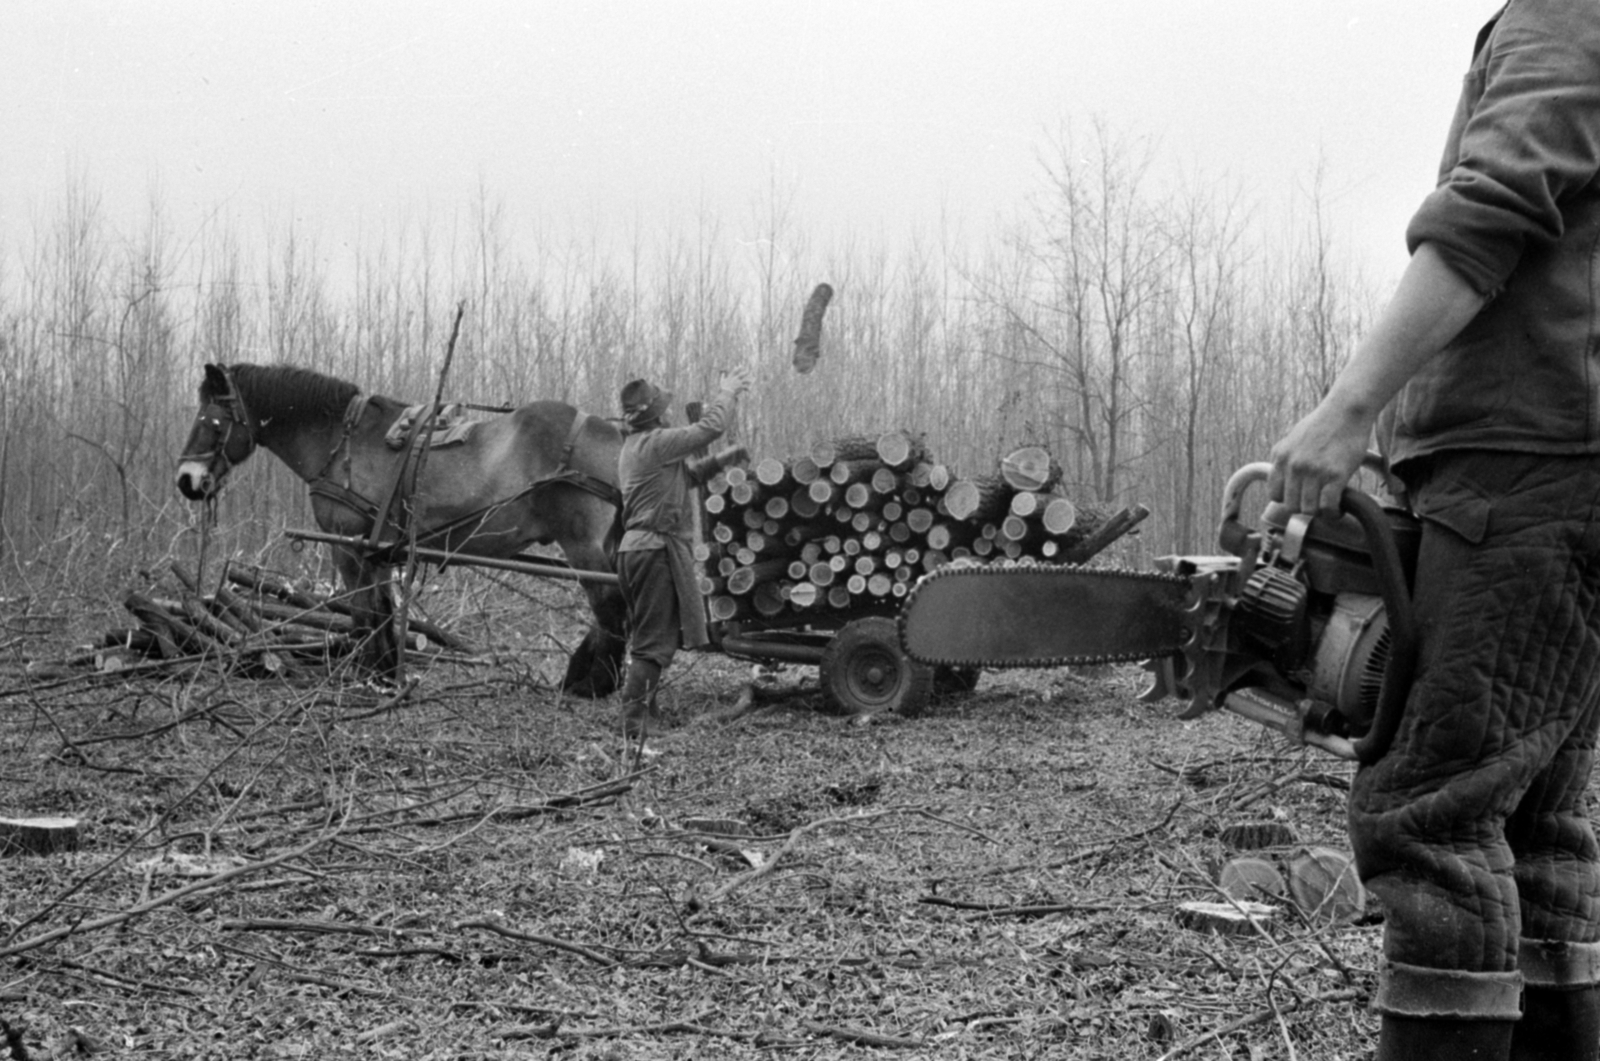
(290, 394)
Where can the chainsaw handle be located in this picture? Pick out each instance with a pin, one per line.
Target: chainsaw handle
(1259, 471)
(1233, 493)
(1401, 664)
(1238, 483)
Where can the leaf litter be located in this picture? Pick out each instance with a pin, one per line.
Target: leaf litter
(480, 869)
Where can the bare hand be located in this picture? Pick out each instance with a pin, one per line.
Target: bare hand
(737, 381)
(1313, 463)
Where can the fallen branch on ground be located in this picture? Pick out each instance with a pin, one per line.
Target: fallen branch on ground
(1258, 1017)
(690, 1026)
(132, 913)
(743, 879)
(861, 1037)
(531, 937)
(1024, 910)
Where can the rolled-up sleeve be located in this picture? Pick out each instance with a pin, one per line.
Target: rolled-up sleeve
(1527, 137)
(671, 443)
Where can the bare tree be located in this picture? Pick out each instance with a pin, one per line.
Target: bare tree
(1096, 260)
(1206, 235)
(1323, 317)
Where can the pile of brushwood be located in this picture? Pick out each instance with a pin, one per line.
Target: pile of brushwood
(252, 622)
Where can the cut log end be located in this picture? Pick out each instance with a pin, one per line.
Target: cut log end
(1252, 878)
(1325, 885)
(1030, 468)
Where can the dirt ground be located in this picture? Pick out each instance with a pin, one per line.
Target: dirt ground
(478, 870)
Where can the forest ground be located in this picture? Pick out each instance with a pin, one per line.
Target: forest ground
(478, 869)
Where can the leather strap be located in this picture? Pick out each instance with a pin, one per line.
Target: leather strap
(400, 489)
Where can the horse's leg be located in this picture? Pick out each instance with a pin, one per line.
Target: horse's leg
(595, 669)
(371, 610)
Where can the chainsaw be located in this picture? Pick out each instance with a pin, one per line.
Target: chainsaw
(1303, 625)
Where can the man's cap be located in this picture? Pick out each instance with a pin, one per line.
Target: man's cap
(643, 402)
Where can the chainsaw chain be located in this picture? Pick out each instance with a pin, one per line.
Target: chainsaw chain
(1122, 574)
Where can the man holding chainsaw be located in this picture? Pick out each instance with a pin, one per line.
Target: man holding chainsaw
(1482, 379)
(655, 560)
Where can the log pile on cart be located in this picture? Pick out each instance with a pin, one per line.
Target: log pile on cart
(851, 525)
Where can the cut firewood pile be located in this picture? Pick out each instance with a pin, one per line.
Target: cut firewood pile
(853, 523)
(254, 622)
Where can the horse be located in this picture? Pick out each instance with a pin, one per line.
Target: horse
(544, 473)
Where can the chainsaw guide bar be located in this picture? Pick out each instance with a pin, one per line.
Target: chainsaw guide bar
(1040, 615)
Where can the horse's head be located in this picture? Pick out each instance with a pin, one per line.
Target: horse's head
(222, 436)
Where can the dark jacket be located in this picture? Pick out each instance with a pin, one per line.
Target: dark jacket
(658, 499)
(1517, 214)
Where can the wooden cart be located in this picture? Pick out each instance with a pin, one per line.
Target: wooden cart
(808, 561)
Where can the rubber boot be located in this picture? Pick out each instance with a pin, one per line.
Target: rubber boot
(1558, 1024)
(1434, 1014)
(638, 698)
(1443, 1039)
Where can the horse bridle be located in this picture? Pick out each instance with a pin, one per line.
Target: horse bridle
(227, 413)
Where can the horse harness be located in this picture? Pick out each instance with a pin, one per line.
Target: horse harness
(382, 514)
(226, 412)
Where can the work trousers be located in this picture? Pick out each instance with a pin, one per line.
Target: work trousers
(652, 600)
(1472, 830)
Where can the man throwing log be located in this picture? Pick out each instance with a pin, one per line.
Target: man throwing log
(655, 560)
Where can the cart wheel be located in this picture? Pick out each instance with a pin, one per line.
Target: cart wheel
(864, 670)
(955, 681)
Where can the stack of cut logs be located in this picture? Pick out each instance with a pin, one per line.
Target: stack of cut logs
(252, 621)
(853, 523)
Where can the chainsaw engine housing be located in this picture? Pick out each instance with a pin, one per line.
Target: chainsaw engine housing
(1291, 628)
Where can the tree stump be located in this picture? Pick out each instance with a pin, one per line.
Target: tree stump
(1253, 836)
(1254, 878)
(38, 836)
(1325, 885)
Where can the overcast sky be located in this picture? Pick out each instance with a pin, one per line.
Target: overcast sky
(874, 116)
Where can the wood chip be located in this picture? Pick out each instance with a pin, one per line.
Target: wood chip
(1225, 919)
